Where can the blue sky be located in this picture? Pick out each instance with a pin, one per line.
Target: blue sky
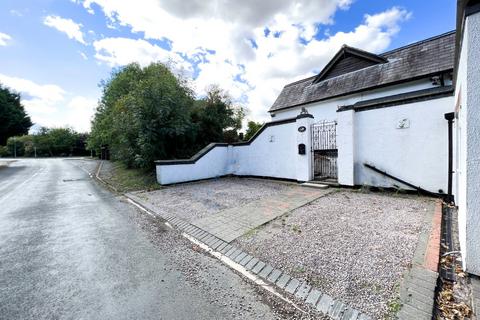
(56, 52)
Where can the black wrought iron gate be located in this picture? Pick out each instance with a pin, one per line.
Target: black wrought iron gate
(324, 149)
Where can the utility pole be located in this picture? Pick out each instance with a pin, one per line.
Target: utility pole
(35, 149)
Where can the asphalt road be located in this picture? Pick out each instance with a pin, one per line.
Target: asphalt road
(69, 249)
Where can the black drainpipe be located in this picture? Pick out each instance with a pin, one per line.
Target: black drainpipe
(449, 117)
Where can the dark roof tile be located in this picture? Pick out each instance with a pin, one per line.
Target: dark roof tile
(414, 61)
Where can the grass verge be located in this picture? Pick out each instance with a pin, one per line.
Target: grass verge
(128, 180)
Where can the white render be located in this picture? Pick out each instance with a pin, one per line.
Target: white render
(213, 164)
(417, 153)
(272, 154)
(346, 147)
(467, 173)
(327, 110)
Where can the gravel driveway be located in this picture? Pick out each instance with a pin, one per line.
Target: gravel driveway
(197, 200)
(351, 245)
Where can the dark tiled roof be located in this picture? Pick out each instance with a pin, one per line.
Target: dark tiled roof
(414, 61)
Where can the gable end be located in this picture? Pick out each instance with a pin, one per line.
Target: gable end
(347, 60)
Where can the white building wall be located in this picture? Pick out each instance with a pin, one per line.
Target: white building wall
(417, 154)
(327, 110)
(460, 190)
(272, 154)
(213, 164)
(468, 144)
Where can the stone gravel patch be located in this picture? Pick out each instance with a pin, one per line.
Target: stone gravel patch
(197, 200)
(350, 245)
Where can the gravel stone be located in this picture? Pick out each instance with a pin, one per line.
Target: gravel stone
(207, 198)
(351, 245)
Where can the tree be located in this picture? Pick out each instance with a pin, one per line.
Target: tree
(149, 113)
(13, 118)
(252, 128)
(143, 115)
(48, 142)
(216, 118)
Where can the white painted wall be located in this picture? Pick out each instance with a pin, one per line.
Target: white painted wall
(271, 154)
(327, 110)
(460, 191)
(418, 154)
(213, 164)
(346, 141)
(468, 144)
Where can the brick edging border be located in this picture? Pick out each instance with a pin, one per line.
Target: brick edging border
(417, 290)
(296, 288)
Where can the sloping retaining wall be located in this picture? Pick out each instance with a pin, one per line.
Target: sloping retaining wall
(271, 152)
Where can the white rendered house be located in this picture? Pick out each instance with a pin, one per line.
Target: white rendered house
(408, 118)
(384, 110)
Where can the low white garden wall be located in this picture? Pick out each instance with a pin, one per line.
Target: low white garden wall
(272, 152)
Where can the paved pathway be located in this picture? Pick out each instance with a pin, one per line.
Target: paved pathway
(235, 222)
(417, 291)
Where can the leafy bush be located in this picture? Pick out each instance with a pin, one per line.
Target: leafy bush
(149, 113)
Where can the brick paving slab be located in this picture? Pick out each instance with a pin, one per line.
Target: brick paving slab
(252, 263)
(246, 260)
(292, 286)
(350, 314)
(274, 275)
(324, 304)
(338, 310)
(258, 267)
(313, 297)
(234, 254)
(282, 282)
(364, 317)
(235, 222)
(266, 271)
(217, 244)
(303, 290)
(230, 251)
(240, 257)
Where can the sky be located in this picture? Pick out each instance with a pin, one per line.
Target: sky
(55, 53)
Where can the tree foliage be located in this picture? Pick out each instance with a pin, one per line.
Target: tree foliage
(149, 113)
(13, 118)
(48, 142)
(252, 128)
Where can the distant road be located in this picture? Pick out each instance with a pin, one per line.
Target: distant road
(71, 250)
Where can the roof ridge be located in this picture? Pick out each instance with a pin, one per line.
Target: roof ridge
(419, 42)
(381, 54)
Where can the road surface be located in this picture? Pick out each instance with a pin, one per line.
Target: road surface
(69, 249)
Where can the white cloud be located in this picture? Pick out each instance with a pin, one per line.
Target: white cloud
(4, 39)
(79, 113)
(83, 55)
(67, 26)
(49, 105)
(196, 28)
(121, 51)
